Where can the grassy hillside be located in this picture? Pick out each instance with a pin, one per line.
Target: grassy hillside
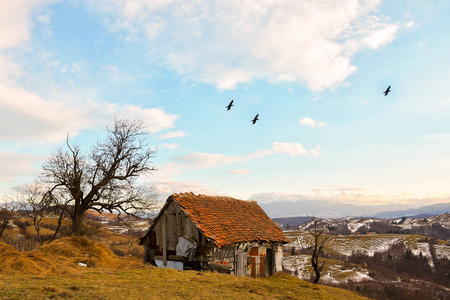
(154, 283)
(78, 268)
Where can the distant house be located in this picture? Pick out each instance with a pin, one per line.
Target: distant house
(217, 233)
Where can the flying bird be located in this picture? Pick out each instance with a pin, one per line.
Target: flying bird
(386, 92)
(229, 105)
(255, 119)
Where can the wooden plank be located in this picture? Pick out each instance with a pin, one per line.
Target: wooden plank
(170, 236)
(269, 262)
(164, 239)
(241, 264)
(151, 238)
(262, 266)
(252, 266)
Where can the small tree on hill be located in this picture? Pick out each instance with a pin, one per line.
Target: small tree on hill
(35, 201)
(6, 214)
(320, 238)
(105, 178)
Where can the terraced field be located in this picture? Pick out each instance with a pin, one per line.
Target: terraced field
(368, 244)
(339, 271)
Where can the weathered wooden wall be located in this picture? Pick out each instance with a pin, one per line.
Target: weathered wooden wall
(172, 224)
(255, 259)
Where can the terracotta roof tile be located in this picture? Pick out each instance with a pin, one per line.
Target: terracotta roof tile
(226, 220)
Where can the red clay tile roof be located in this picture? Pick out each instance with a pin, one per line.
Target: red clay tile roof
(226, 220)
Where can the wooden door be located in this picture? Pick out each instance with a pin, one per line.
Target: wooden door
(257, 262)
(241, 264)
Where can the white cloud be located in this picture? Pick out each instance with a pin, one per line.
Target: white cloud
(226, 43)
(155, 118)
(170, 146)
(240, 171)
(167, 188)
(351, 195)
(381, 36)
(15, 165)
(15, 21)
(312, 123)
(292, 149)
(409, 24)
(316, 152)
(173, 134)
(208, 160)
(26, 116)
(116, 76)
(9, 69)
(434, 137)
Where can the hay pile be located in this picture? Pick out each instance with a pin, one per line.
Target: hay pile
(15, 262)
(64, 256)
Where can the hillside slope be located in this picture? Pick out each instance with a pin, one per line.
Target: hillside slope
(78, 268)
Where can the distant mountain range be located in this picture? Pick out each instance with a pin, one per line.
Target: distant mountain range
(281, 206)
(429, 210)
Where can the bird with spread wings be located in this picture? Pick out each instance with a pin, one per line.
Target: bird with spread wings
(229, 105)
(255, 119)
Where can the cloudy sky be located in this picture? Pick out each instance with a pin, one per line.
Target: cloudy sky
(314, 71)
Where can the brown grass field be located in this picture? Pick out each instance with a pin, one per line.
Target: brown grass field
(53, 272)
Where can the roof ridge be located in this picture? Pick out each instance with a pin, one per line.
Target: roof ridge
(210, 196)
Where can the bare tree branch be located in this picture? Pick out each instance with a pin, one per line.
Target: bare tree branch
(7, 211)
(105, 178)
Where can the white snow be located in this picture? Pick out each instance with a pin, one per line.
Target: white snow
(442, 251)
(424, 248)
(354, 226)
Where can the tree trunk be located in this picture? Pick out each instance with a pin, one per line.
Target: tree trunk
(38, 234)
(315, 265)
(316, 280)
(77, 222)
(2, 228)
(58, 226)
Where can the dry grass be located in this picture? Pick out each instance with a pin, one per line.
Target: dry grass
(63, 256)
(154, 283)
(53, 272)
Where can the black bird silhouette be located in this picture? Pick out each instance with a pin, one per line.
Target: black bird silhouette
(386, 92)
(229, 105)
(255, 119)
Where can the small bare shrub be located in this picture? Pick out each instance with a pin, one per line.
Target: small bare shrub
(22, 225)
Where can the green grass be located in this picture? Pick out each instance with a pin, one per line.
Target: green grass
(155, 283)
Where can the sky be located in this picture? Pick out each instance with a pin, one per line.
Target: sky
(314, 71)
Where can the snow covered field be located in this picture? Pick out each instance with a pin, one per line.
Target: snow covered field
(334, 272)
(345, 245)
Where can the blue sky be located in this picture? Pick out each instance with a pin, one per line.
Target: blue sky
(314, 71)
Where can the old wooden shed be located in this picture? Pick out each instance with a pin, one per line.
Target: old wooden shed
(217, 233)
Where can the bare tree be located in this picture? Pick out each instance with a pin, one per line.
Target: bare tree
(35, 201)
(320, 238)
(105, 178)
(6, 213)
